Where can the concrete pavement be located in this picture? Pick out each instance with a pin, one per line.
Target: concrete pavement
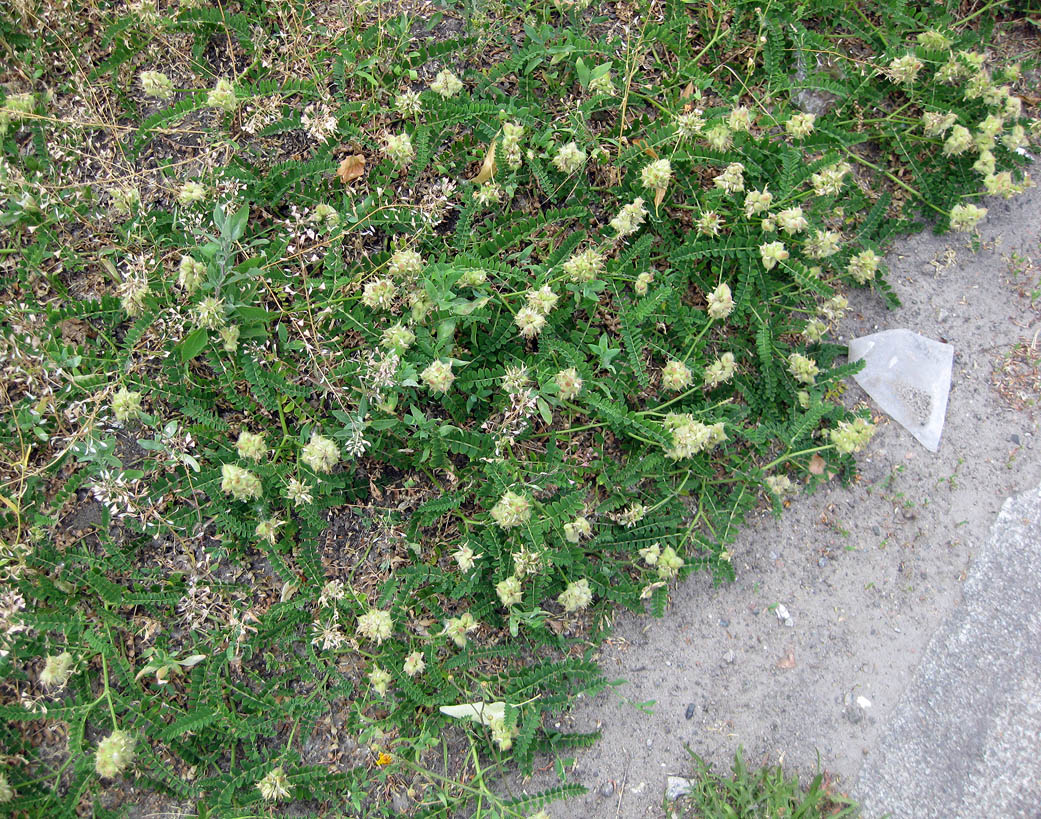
(965, 740)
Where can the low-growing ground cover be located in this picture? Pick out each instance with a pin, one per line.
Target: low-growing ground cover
(359, 360)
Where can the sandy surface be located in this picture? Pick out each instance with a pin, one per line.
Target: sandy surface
(868, 574)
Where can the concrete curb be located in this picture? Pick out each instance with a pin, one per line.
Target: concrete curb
(965, 739)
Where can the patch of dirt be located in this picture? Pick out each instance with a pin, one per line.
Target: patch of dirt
(1017, 376)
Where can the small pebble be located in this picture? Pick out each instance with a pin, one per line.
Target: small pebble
(724, 622)
(1014, 439)
(677, 786)
(690, 711)
(822, 562)
(730, 657)
(606, 789)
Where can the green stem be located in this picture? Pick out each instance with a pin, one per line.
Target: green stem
(569, 430)
(285, 428)
(710, 43)
(980, 11)
(679, 489)
(790, 455)
(652, 101)
(108, 694)
(892, 179)
(698, 338)
(887, 118)
(693, 523)
(56, 775)
(481, 790)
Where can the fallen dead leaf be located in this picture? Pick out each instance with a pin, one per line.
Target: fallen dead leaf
(787, 661)
(644, 146)
(687, 95)
(353, 167)
(817, 465)
(659, 196)
(76, 330)
(487, 167)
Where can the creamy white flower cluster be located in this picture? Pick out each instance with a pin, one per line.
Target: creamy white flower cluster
(115, 754)
(446, 84)
(666, 561)
(584, 266)
(851, 436)
(438, 376)
(398, 148)
(803, 369)
(569, 158)
(721, 370)
(720, 302)
(156, 84)
(690, 436)
(512, 133)
(628, 220)
(512, 509)
(969, 68)
(657, 174)
(274, 785)
(223, 96)
(531, 319)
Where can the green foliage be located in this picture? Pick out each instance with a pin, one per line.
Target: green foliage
(488, 411)
(767, 791)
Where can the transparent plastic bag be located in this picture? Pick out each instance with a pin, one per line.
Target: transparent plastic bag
(909, 377)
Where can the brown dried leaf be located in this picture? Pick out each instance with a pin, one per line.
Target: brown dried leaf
(687, 95)
(487, 167)
(75, 330)
(659, 196)
(787, 661)
(645, 146)
(353, 167)
(817, 465)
